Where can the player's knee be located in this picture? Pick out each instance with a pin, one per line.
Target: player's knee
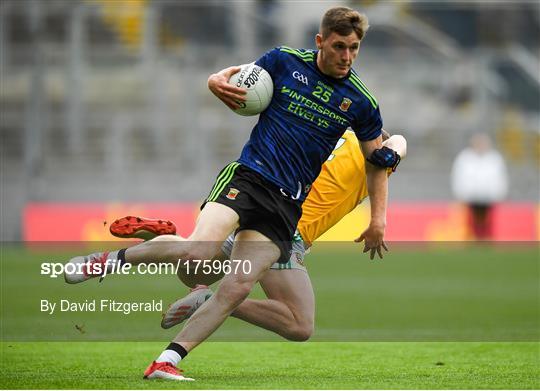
(234, 292)
(197, 250)
(300, 333)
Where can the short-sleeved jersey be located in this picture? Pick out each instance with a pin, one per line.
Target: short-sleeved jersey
(339, 188)
(308, 114)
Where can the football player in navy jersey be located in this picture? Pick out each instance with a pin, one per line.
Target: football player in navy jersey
(316, 97)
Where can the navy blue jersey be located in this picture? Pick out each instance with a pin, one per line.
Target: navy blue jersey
(308, 114)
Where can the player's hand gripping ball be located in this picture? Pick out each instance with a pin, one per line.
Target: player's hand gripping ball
(259, 86)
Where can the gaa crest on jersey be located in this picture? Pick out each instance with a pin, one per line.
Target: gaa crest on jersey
(232, 193)
(345, 104)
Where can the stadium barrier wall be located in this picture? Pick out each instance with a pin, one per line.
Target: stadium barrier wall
(408, 221)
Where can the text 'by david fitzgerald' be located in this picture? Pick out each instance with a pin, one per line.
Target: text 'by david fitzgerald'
(103, 305)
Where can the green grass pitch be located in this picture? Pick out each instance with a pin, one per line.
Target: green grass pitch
(276, 365)
(426, 317)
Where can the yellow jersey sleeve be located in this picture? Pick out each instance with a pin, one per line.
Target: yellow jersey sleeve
(338, 189)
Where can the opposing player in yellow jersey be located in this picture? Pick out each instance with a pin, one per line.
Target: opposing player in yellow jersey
(290, 305)
(334, 193)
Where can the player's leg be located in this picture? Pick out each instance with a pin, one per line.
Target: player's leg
(213, 225)
(268, 219)
(290, 308)
(288, 311)
(164, 230)
(215, 222)
(185, 274)
(234, 288)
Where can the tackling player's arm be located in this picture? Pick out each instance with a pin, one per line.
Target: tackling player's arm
(377, 183)
(229, 94)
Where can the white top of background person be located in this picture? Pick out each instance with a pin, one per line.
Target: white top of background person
(479, 174)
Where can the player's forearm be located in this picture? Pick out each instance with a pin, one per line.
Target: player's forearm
(377, 182)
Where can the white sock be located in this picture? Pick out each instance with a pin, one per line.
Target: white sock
(169, 356)
(113, 260)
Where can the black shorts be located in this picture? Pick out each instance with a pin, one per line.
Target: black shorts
(260, 204)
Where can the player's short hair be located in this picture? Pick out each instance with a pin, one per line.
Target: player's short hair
(343, 21)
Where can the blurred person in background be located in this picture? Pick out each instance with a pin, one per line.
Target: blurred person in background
(479, 179)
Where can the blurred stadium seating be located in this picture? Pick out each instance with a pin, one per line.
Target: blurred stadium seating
(106, 101)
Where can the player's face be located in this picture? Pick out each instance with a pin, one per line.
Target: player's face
(337, 53)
